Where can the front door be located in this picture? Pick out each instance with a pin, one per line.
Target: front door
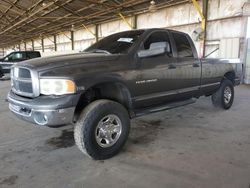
(153, 75)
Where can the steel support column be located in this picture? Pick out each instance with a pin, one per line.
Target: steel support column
(196, 5)
(203, 15)
(42, 42)
(96, 33)
(32, 44)
(205, 12)
(135, 22)
(72, 40)
(55, 43)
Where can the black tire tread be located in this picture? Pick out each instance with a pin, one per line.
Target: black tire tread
(217, 97)
(88, 115)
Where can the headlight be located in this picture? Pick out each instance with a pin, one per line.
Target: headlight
(57, 86)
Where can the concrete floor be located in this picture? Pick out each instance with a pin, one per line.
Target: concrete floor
(192, 146)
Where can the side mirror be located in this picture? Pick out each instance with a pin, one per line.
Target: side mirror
(150, 53)
(155, 49)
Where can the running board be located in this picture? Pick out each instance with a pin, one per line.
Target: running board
(168, 106)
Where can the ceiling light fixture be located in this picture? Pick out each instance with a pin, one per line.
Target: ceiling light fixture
(152, 7)
(44, 4)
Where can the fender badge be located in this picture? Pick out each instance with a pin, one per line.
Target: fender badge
(146, 81)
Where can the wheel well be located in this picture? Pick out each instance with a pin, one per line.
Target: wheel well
(112, 91)
(230, 76)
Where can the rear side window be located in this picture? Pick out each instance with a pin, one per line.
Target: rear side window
(31, 55)
(183, 46)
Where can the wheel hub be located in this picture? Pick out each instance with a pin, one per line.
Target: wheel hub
(227, 95)
(108, 131)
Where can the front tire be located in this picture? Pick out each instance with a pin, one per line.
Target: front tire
(102, 129)
(224, 97)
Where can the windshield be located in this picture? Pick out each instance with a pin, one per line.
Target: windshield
(119, 43)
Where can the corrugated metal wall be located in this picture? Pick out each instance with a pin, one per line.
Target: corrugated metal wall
(224, 22)
(247, 65)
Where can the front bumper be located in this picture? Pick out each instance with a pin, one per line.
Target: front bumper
(44, 110)
(6, 67)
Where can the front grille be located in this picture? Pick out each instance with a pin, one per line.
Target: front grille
(22, 86)
(24, 73)
(21, 81)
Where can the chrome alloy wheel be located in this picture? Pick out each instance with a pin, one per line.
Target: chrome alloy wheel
(108, 131)
(227, 95)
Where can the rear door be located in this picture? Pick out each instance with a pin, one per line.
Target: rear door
(187, 68)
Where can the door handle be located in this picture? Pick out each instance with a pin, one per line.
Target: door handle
(172, 67)
(196, 65)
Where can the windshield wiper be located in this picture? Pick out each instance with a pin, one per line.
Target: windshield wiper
(100, 51)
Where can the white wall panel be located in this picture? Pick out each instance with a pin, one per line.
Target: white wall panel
(29, 45)
(8, 50)
(38, 45)
(49, 45)
(84, 38)
(64, 46)
(229, 48)
(22, 46)
(172, 16)
(84, 34)
(113, 27)
(217, 30)
(224, 8)
(48, 41)
(63, 37)
(83, 44)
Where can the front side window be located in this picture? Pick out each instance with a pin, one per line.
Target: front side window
(158, 39)
(119, 43)
(16, 56)
(183, 46)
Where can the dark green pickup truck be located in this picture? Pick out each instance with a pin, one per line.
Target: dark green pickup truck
(15, 57)
(124, 75)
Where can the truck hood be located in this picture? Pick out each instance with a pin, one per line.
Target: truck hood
(52, 62)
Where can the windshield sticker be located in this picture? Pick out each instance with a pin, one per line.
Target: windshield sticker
(129, 40)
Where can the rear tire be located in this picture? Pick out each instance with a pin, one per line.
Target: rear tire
(224, 97)
(102, 129)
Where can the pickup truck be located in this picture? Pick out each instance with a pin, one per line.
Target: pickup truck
(15, 57)
(1, 72)
(124, 75)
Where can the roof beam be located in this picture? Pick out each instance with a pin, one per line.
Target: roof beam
(35, 17)
(97, 14)
(22, 9)
(11, 10)
(57, 28)
(7, 10)
(49, 22)
(27, 17)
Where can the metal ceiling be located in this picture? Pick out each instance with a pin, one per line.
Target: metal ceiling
(22, 20)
